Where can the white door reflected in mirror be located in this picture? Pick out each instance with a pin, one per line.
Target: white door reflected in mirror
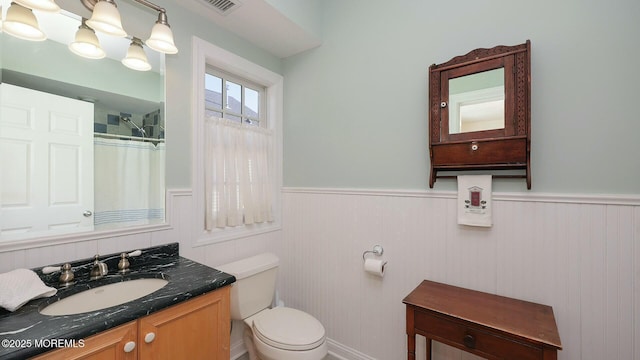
(487, 115)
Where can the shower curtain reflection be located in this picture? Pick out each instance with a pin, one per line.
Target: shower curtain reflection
(129, 183)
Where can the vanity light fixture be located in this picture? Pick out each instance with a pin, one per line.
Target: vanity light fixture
(136, 58)
(105, 11)
(86, 43)
(21, 23)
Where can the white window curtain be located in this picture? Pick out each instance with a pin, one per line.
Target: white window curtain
(237, 174)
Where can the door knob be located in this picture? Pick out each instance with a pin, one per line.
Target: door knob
(87, 213)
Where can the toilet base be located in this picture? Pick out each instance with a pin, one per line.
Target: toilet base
(258, 350)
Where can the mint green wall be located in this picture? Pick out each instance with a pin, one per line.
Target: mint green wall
(305, 13)
(356, 107)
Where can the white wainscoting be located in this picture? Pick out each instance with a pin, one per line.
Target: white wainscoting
(579, 254)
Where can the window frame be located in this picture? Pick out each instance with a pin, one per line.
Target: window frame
(207, 55)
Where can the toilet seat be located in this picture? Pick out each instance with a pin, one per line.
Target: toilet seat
(288, 329)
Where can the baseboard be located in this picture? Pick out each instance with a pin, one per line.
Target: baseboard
(336, 350)
(342, 352)
(237, 350)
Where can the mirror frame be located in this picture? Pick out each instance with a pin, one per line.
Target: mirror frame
(497, 149)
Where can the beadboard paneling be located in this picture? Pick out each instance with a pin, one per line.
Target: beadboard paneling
(577, 254)
(571, 252)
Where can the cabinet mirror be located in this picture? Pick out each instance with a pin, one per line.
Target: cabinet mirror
(480, 112)
(476, 102)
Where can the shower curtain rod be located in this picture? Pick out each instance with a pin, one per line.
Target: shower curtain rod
(134, 138)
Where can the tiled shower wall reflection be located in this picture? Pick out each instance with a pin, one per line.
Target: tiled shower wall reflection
(108, 121)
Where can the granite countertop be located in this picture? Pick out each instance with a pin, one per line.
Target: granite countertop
(22, 329)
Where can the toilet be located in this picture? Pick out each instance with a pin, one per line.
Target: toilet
(278, 333)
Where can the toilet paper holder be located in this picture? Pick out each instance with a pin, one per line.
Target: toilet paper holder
(377, 250)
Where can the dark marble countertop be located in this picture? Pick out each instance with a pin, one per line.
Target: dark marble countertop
(23, 329)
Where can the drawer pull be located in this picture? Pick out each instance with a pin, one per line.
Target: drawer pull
(149, 337)
(469, 341)
(129, 346)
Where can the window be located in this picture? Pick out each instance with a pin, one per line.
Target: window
(232, 98)
(249, 104)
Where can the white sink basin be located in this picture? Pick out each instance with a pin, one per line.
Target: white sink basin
(104, 296)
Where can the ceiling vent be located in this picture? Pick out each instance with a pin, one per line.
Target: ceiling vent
(224, 7)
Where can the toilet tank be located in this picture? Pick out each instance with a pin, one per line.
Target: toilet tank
(255, 284)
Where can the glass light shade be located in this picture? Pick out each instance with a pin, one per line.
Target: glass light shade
(42, 5)
(106, 18)
(161, 39)
(136, 58)
(21, 23)
(86, 44)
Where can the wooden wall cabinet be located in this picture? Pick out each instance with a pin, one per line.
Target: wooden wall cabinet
(195, 329)
(480, 112)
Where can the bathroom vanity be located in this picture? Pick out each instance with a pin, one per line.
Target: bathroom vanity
(194, 329)
(187, 318)
(487, 325)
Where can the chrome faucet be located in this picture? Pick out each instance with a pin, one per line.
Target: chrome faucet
(99, 269)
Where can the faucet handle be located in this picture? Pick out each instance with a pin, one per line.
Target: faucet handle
(51, 269)
(66, 274)
(134, 253)
(123, 264)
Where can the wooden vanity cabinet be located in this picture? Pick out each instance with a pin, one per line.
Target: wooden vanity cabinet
(107, 345)
(195, 329)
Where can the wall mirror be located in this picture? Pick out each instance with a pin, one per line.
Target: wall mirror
(81, 140)
(479, 116)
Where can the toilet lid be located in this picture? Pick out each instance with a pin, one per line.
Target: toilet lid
(288, 329)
